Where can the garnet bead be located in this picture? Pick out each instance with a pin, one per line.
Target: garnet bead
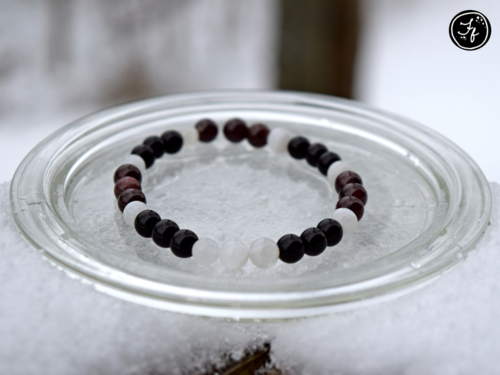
(354, 190)
(353, 204)
(257, 135)
(347, 177)
(145, 222)
(314, 241)
(235, 130)
(297, 147)
(207, 130)
(182, 243)
(128, 196)
(127, 170)
(314, 152)
(291, 248)
(325, 160)
(172, 141)
(146, 153)
(332, 230)
(163, 232)
(156, 144)
(126, 183)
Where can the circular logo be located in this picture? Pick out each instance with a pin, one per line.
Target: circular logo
(470, 30)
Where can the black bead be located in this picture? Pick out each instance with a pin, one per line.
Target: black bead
(297, 147)
(314, 152)
(291, 248)
(333, 231)
(172, 141)
(207, 130)
(163, 232)
(145, 222)
(314, 241)
(156, 144)
(325, 160)
(146, 153)
(182, 243)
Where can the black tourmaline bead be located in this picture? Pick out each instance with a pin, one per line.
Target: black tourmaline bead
(172, 141)
(182, 243)
(145, 222)
(235, 130)
(207, 130)
(257, 135)
(163, 232)
(333, 231)
(325, 160)
(128, 196)
(314, 241)
(146, 153)
(314, 152)
(297, 147)
(156, 144)
(127, 170)
(353, 204)
(291, 248)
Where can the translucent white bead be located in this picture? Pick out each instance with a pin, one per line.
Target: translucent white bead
(189, 136)
(131, 211)
(137, 161)
(205, 251)
(233, 255)
(347, 219)
(264, 252)
(337, 168)
(278, 139)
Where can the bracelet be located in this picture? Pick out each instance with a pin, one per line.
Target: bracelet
(234, 254)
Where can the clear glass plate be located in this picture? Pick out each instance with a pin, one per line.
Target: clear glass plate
(428, 204)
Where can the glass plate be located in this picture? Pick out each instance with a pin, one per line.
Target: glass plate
(428, 204)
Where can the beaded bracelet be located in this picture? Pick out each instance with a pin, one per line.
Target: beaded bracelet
(263, 252)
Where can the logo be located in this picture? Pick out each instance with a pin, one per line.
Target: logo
(470, 30)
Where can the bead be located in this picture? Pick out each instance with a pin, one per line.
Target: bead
(325, 160)
(172, 141)
(189, 136)
(314, 152)
(347, 177)
(314, 241)
(205, 251)
(257, 135)
(291, 248)
(354, 190)
(332, 230)
(235, 130)
(130, 195)
(347, 220)
(145, 222)
(297, 147)
(264, 252)
(137, 161)
(182, 243)
(278, 139)
(163, 232)
(146, 153)
(127, 170)
(126, 183)
(156, 144)
(354, 204)
(336, 169)
(207, 130)
(233, 255)
(131, 211)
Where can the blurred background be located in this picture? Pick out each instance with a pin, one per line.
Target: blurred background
(62, 59)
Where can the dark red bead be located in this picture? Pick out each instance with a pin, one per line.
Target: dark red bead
(347, 177)
(353, 204)
(235, 130)
(130, 195)
(207, 130)
(126, 183)
(257, 135)
(354, 190)
(127, 170)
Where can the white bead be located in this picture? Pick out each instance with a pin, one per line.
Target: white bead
(137, 161)
(205, 251)
(337, 168)
(233, 255)
(278, 139)
(131, 211)
(189, 136)
(264, 252)
(347, 219)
